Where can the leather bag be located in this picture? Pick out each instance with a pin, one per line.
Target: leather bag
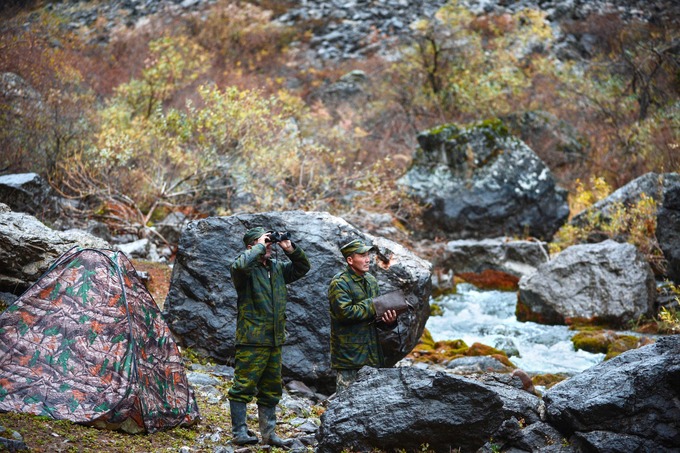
(394, 300)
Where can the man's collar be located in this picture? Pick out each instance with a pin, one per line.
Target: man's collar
(354, 274)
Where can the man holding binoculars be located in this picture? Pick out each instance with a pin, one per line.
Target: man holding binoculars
(260, 283)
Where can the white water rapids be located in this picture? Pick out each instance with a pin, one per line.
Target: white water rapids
(486, 317)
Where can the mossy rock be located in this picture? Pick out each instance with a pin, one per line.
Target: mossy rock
(478, 349)
(607, 342)
(426, 340)
(430, 352)
(596, 342)
(548, 380)
(623, 343)
(450, 349)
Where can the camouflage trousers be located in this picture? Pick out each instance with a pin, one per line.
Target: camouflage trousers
(344, 379)
(257, 373)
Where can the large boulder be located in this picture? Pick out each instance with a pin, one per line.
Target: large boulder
(405, 408)
(628, 403)
(28, 247)
(201, 304)
(472, 258)
(607, 282)
(482, 182)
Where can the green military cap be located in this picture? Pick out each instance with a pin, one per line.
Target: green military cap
(355, 246)
(253, 234)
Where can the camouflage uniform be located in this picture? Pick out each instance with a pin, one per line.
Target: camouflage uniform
(354, 337)
(261, 322)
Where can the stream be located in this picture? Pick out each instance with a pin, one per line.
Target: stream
(488, 317)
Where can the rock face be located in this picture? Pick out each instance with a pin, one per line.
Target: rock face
(481, 182)
(27, 248)
(405, 408)
(26, 192)
(201, 304)
(628, 403)
(607, 282)
(517, 258)
(668, 229)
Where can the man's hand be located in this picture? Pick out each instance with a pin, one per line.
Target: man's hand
(287, 246)
(389, 317)
(264, 239)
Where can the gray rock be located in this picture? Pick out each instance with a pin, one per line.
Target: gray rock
(608, 442)
(507, 345)
(514, 257)
(27, 193)
(202, 379)
(514, 436)
(480, 364)
(201, 304)
(608, 281)
(480, 182)
(28, 247)
(630, 401)
(137, 249)
(404, 408)
(668, 228)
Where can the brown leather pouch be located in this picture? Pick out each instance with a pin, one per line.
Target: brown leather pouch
(394, 300)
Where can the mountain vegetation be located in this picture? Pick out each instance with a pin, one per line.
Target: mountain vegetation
(221, 110)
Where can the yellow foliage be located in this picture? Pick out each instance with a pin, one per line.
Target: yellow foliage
(636, 222)
(584, 197)
(472, 64)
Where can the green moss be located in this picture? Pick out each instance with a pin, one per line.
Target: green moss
(623, 343)
(452, 347)
(447, 130)
(426, 340)
(495, 126)
(479, 349)
(607, 342)
(595, 342)
(436, 309)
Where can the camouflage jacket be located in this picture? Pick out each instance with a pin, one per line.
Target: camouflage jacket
(354, 337)
(262, 295)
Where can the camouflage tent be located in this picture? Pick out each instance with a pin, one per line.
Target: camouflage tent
(87, 343)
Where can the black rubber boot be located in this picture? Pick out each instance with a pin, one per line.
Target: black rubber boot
(267, 419)
(239, 429)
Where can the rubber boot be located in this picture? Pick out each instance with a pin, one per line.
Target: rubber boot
(239, 429)
(267, 419)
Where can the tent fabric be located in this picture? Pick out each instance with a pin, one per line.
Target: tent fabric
(87, 343)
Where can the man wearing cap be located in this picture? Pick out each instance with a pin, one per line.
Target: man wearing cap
(260, 283)
(354, 334)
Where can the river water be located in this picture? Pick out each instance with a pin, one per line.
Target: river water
(488, 317)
